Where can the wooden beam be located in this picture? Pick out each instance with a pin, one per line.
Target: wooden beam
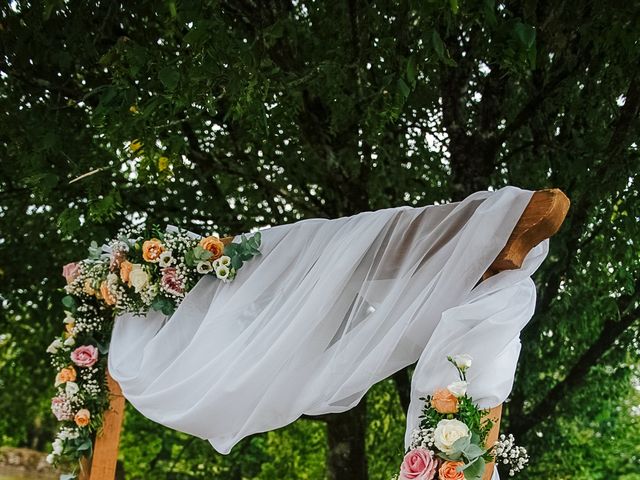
(541, 219)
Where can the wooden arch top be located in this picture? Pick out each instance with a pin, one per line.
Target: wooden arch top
(540, 220)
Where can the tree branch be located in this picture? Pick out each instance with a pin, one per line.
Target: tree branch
(612, 329)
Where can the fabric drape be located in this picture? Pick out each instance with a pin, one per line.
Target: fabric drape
(330, 308)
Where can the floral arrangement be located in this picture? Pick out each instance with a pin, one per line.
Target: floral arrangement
(135, 273)
(450, 443)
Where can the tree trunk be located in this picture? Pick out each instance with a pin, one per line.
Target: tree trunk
(346, 455)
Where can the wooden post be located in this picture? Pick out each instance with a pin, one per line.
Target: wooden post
(105, 449)
(541, 219)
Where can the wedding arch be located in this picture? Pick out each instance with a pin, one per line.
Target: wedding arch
(514, 227)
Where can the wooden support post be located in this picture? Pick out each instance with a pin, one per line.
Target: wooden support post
(105, 450)
(541, 219)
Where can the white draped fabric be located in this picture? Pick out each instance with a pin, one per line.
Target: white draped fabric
(330, 308)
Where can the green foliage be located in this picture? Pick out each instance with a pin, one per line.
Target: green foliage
(244, 250)
(251, 114)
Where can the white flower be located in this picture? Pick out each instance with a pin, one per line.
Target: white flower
(138, 278)
(57, 446)
(50, 458)
(463, 361)
(70, 342)
(166, 259)
(446, 434)
(458, 389)
(222, 273)
(224, 260)
(112, 278)
(204, 267)
(55, 346)
(216, 264)
(69, 318)
(71, 389)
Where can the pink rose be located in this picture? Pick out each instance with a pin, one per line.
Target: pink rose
(70, 272)
(61, 408)
(418, 464)
(85, 356)
(171, 283)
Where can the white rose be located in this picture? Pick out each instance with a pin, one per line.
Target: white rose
(50, 458)
(204, 267)
(71, 388)
(112, 278)
(138, 278)
(57, 446)
(458, 389)
(463, 361)
(446, 434)
(70, 342)
(55, 346)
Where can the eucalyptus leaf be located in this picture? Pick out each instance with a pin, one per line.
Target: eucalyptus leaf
(69, 303)
(94, 250)
(461, 444)
(474, 470)
(473, 451)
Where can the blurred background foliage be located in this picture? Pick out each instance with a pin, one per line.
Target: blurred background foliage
(230, 115)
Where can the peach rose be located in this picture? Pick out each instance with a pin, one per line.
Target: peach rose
(444, 401)
(151, 250)
(108, 298)
(82, 417)
(213, 245)
(125, 270)
(449, 471)
(65, 375)
(88, 288)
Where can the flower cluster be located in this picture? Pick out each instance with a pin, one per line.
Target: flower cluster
(134, 273)
(450, 443)
(509, 455)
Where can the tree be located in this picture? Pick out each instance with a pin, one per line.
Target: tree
(230, 115)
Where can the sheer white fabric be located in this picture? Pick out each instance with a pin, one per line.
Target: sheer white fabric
(329, 309)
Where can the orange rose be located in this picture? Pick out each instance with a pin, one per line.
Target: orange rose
(108, 298)
(65, 375)
(444, 401)
(82, 417)
(125, 270)
(213, 245)
(449, 471)
(151, 250)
